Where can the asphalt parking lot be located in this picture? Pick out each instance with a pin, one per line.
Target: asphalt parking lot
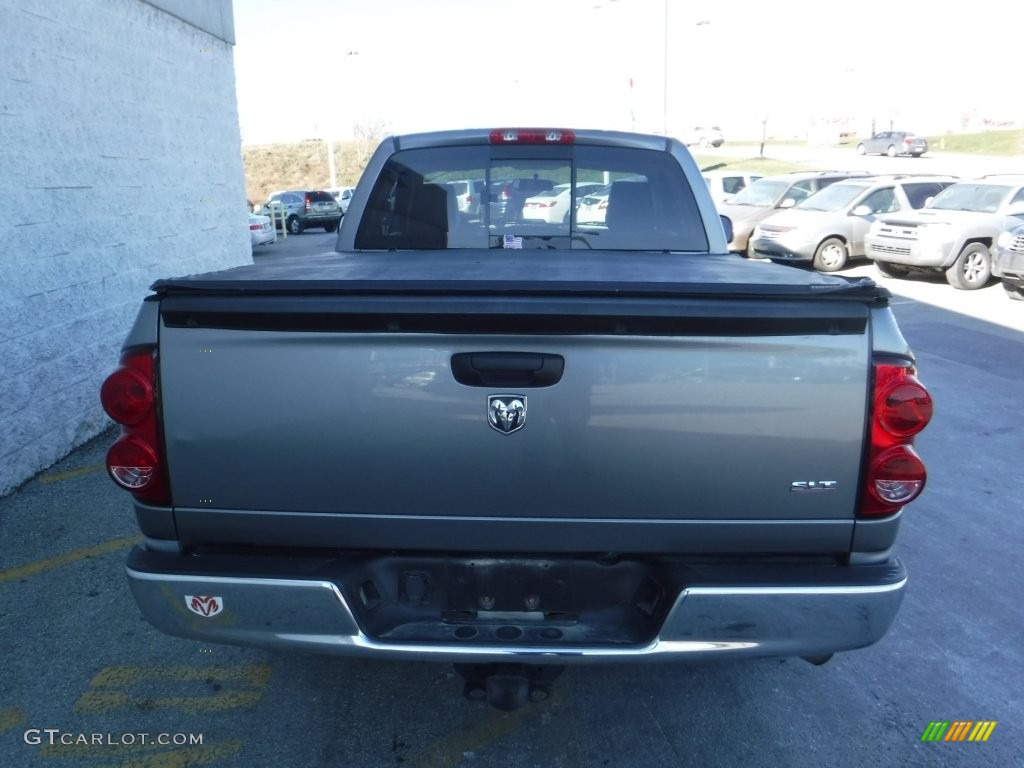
(79, 660)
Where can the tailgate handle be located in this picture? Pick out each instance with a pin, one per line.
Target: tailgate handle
(507, 369)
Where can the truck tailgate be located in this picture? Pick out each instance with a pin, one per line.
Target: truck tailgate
(350, 418)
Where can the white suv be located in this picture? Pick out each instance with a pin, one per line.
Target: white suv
(469, 196)
(952, 234)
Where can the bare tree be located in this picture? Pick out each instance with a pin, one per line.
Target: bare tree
(368, 135)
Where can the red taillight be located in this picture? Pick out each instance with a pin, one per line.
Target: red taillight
(309, 206)
(897, 476)
(532, 136)
(132, 463)
(603, 204)
(255, 227)
(129, 396)
(901, 408)
(469, 199)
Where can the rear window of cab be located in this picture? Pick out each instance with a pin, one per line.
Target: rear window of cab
(413, 203)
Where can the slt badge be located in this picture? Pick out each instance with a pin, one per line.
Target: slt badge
(506, 413)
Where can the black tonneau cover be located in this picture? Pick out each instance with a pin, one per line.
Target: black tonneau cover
(525, 273)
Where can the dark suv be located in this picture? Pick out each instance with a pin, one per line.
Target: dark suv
(770, 193)
(303, 209)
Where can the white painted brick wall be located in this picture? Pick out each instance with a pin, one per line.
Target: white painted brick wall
(114, 125)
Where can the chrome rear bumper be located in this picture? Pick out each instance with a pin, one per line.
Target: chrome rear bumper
(312, 614)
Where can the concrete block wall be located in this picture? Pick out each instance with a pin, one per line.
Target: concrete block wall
(120, 163)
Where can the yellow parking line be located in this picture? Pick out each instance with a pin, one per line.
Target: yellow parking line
(98, 750)
(451, 750)
(114, 750)
(97, 702)
(185, 758)
(71, 473)
(110, 688)
(29, 569)
(255, 675)
(11, 717)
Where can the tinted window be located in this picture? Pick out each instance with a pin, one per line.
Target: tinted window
(881, 201)
(761, 193)
(800, 191)
(835, 198)
(918, 192)
(826, 182)
(968, 196)
(320, 197)
(733, 184)
(649, 205)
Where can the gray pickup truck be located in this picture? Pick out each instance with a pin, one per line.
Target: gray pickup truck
(515, 445)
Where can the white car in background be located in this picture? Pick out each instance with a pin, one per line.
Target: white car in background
(343, 195)
(261, 230)
(724, 184)
(703, 136)
(554, 205)
(469, 196)
(594, 206)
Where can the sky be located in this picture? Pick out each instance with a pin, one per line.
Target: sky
(319, 68)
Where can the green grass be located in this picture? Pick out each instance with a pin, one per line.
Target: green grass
(766, 165)
(768, 143)
(985, 143)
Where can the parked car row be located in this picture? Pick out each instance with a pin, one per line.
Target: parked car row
(555, 206)
(769, 194)
(828, 228)
(530, 200)
(969, 230)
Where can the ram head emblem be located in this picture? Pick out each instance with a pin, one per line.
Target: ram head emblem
(506, 413)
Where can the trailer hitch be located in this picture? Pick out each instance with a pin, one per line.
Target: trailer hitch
(508, 686)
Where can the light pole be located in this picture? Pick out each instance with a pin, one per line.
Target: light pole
(331, 165)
